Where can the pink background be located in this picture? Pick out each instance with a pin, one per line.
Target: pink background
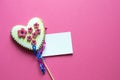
(95, 27)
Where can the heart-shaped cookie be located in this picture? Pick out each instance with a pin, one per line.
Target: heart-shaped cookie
(32, 34)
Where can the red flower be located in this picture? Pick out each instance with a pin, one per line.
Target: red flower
(37, 31)
(33, 42)
(34, 35)
(22, 33)
(29, 38)
(36, 25)
(30, 30)
(45, 28)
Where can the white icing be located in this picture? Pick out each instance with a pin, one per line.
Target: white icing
(23, 42)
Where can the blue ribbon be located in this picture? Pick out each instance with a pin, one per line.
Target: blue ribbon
(34, 49)
(40, 59)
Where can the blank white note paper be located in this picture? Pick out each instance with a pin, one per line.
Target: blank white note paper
(58, 44)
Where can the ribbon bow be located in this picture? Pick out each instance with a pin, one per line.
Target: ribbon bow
(43, 65)
(38, 55)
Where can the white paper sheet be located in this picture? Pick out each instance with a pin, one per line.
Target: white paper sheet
(58, 44)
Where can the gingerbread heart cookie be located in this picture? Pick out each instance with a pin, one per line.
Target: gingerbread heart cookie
(32, 34)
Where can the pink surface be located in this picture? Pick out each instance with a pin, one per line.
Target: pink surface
(95, 27)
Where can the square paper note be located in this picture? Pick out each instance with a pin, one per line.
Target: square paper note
(58, 44)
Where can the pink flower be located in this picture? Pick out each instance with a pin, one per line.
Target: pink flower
(22, 33)
(30, 30)
(36, 25)
(33, 42)
(34, 35)
(29, 38)
(37, 31)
